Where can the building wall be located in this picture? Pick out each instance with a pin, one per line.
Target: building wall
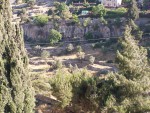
(111, 3)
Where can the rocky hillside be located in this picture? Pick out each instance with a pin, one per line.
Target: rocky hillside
(70, 31)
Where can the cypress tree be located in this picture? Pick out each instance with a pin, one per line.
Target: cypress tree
(135, 30)
(16, 93)
(133, 12)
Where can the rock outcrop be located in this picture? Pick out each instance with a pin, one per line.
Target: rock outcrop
(70, 31)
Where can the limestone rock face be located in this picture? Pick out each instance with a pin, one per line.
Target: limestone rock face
(105, 32)
(98, 30)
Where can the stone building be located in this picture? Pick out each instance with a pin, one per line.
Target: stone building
(111, 3)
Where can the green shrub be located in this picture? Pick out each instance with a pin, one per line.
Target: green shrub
(102, 20)
(86, 4)
(68, 88)
(75, 19)
(80, 56)
(62, 88)
(117, 13)
(57, 64)
(98, 44)
(41, 20)
(79, 49)
(50, 12)
(41, 87)
(126, 1)
(54, 36)
(69, 48)
(91, 59)
(45, 54)
(117, 22)
(86, 22)
(89, 36)
(99, 10)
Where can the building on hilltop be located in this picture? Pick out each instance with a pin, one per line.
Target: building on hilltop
(111, 3)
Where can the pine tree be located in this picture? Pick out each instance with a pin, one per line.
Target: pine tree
(128, 90)
(132, 59)
(133, 82)
(16, 93)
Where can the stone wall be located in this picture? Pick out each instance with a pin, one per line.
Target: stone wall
(70, 31)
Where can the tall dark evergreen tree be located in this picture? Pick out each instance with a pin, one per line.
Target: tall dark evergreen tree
(133, 11)
(133, 83)
(135, 30)
(132, 59)
(128, 90)
(16, 92)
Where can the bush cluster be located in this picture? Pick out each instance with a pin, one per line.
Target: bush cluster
(120, 12)
(41, 20)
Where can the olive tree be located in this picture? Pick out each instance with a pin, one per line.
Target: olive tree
(54, 36)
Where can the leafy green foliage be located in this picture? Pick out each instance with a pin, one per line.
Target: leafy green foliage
(44, 55)
(62, 88)
(60, 7)
(80, 56)
(132, 81)
(69, 48)
(67, 87)
(50, 12)
(135, 31)
(99, 10)
(119, 12)
(41, 20)
(79, 49)
(89, 36)
(91, 59)
(133, 12)
(16, 92)
(57, 64)
(86, 22)
(126, 1)
(122, 92)
(62, 10)
(54, 36)
(132, 60)
(75, 19)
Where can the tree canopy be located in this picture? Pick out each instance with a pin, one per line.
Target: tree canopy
(54, 36)
(41, 20)
(99, 10)
(16, 92)
(133, 11)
